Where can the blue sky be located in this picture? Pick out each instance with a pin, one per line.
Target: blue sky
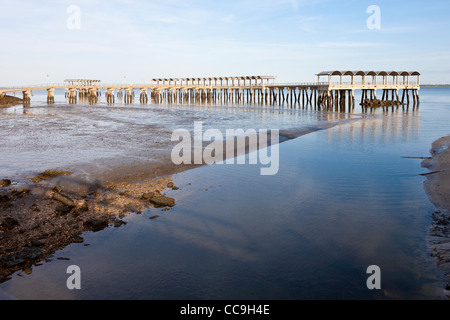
(135, 41)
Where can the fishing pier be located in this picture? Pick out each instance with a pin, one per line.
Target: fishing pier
(333, 89)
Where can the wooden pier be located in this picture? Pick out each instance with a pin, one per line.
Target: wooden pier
(337, 91)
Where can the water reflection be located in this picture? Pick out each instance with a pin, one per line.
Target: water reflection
(385, 127)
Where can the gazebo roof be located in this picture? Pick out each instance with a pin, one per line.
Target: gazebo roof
(368, 73)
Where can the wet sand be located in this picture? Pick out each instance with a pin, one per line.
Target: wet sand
(437, 187)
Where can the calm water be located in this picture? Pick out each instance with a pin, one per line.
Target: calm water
(344, 199)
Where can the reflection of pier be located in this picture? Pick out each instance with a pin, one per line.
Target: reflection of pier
(394, 125)
(250, 89)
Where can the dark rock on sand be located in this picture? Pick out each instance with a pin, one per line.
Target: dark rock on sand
(36, 243)
(20, 192)
(119, 223)
(63, 210)
(96, 224)
(161, 201)
(20, 257)
(5, 183)
(78, 239)
(9, 223)
(147, 196)
(132, 208)
(5, 201)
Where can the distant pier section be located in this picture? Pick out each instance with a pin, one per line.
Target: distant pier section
(332, 89)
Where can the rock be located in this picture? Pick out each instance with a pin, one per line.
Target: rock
(5, 201)
(36, 243)
(57, 189)
(28, 271)
(170, 185)
(147, 196)
(63, 199)
(21, 257)
(161, 201)
(119, 223)
(21, 192)
(154, 217)
(63, 210)
(5, 183)
(132, 208)
(175, 188)
(9, 223)
(81, 205)
(96, 224)
(78, 239)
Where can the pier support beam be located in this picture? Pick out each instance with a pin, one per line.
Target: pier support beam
(110, 98)
(51, 96)
(129, 95)
(143, 97)
(26, 97)
(92, 95)
(72, 94)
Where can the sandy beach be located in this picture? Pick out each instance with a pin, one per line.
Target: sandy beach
(437, 187)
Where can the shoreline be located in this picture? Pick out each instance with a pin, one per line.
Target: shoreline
(437, 187)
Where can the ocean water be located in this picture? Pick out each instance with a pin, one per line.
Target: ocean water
(344, 198)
